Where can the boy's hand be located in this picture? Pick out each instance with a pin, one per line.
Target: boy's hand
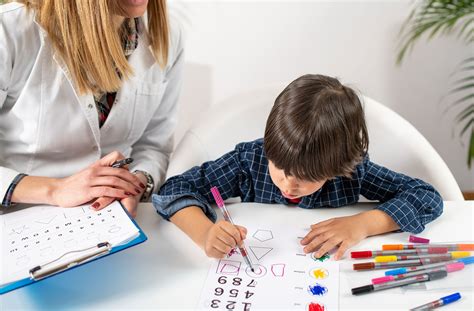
(222, 237)
(342, 232)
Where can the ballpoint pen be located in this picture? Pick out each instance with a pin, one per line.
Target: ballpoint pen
(225, 212)
(122, 163)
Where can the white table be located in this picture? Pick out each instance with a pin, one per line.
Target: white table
(168, 271)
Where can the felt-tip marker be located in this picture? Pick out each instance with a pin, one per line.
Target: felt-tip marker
(438, 303)
(430, 276)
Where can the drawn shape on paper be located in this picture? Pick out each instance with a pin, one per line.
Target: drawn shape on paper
(263, 235)
(46, 251)
(228, 267)
(319, 273)
(114, 229)
(260, 252)
(259, 271)
(314, 306)
(46, 221)
(278, 269)
(320, 259)
(232, 252)
(23, 260)
(317, 290)
(19, 230)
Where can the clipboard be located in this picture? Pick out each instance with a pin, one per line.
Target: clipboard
(76, 258)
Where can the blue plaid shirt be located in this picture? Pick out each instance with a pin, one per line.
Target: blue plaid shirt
(243, 173)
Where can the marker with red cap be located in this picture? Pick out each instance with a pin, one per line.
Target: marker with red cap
(452, 267)
(418, 251)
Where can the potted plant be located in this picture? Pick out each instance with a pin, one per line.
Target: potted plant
(448, 17)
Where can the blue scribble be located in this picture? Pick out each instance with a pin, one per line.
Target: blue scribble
(317, 290)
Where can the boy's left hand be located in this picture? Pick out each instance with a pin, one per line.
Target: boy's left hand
(342, 232)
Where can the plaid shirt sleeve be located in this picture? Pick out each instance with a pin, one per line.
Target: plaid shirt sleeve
(193, 187)
(410, 202)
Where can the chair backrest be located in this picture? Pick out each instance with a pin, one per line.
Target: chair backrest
(393, 141)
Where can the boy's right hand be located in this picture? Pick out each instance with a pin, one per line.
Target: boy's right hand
(222, 237)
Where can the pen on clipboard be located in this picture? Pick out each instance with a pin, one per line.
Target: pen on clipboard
(122, 163)
(220, 203)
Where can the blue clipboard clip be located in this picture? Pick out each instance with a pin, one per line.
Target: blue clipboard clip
(86, 254)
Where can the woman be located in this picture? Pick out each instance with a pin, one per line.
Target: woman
(81, 79)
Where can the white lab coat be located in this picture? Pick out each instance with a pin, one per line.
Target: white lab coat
(48, 129)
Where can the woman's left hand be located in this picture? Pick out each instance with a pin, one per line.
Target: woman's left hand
(130, 203)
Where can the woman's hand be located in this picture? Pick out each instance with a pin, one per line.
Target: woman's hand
(222, 237)
(97, 180)
(130, 203)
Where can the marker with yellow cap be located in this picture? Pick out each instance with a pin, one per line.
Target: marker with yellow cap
(451, 247)
(449, 256)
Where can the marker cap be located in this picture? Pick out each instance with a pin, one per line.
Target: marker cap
(383, 279)
(416, 239)
(361, 254)
(396, 271)
(466, 247)
(454, 266)
(457, 255)
(466, 260)
(362, 289)
(363, 266)
(392, 247)
(435, 275)
(451, 298)
(385, 258)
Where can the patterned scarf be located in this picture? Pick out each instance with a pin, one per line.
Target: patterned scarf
(129, 31)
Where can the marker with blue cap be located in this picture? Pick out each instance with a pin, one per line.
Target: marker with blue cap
(465, 260)
(438, 303)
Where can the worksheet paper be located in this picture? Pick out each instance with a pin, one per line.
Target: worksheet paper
(40, 234)
(284, 279)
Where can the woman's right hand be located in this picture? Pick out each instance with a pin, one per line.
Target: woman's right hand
(97, 180)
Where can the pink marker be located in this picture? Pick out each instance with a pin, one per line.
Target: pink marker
(448, 268)
(416, 239)
(220, 203)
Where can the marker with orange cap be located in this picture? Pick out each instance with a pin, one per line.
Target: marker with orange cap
(420, 251)
(443, 257)
(451, 247)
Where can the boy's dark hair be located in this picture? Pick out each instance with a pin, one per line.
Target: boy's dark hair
(316, 129)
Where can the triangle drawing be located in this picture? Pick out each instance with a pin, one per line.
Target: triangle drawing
(260, 252)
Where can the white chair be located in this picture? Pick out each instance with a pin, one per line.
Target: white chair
(393, 141)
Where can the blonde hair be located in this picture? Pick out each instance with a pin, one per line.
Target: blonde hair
(84, 34)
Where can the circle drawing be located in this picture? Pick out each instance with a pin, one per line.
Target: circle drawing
(259, 271)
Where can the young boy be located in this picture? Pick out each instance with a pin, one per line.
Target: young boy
(314, 154)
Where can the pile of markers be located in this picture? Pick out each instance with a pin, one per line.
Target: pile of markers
(413, 263)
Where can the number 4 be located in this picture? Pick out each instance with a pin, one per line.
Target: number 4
(248, 294)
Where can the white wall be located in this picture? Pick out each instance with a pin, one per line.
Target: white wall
(234, 46)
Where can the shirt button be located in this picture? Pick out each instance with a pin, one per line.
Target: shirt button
(90, 106)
